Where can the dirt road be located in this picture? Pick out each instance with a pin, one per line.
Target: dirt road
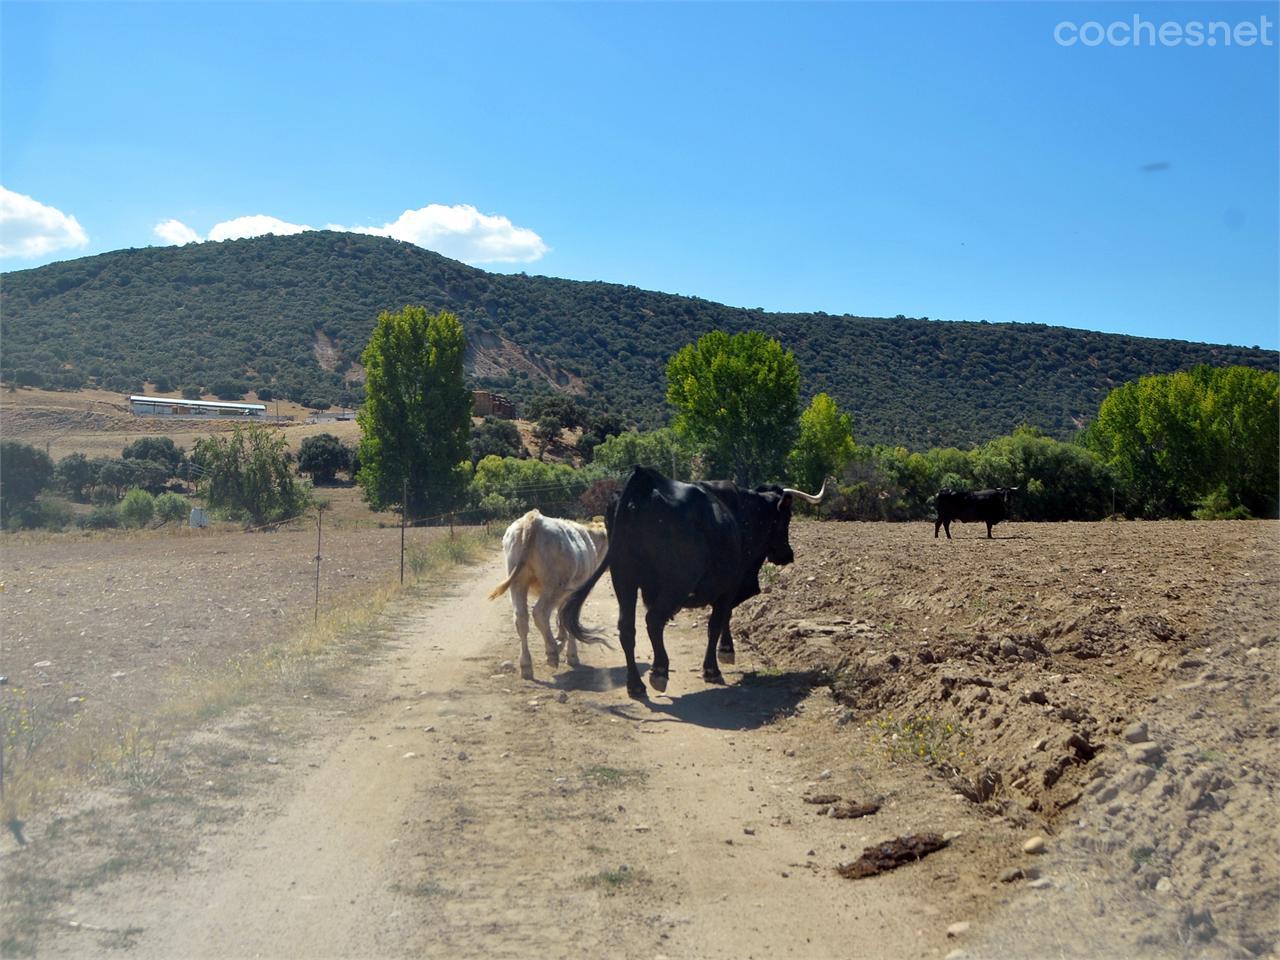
(1103, 693)
(466, 813)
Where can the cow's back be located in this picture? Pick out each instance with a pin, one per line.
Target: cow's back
(674, 539)
(568, 552)
(978, 506)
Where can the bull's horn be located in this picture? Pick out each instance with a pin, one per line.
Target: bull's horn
(807, 496)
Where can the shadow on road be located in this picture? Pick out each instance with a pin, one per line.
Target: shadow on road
(593, 679)
(753, 701)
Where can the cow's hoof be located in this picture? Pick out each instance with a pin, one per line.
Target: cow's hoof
(573, 662)
(713, 676)
(658, 681)
(553, 662)
(637, 692)
(727, 656)
(526, 671)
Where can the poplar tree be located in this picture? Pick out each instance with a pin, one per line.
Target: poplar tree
(416, 420)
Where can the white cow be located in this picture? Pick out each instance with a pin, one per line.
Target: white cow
(553, 558)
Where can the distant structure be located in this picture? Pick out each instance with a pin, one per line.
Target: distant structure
(486, 404)
(194, 409)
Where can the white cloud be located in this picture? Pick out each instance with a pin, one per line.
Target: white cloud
(463, 233)
(177, 232)
(254, 226)
(28, 228)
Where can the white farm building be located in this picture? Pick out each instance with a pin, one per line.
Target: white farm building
(177, 407)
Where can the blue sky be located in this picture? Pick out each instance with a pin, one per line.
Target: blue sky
(941, 160)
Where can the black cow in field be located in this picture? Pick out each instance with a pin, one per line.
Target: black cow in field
(682, 545)
(980, 506)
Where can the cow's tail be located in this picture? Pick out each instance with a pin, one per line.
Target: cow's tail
(570, 613)
(517, 551)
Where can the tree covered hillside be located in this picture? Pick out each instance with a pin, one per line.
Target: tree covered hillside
(290, 315)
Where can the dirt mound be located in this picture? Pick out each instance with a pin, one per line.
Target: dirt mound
(1109, 682)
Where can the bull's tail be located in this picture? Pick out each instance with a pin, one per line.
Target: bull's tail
(517, 551)
(572, 610)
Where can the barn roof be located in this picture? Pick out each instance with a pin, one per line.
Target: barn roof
(218, 404)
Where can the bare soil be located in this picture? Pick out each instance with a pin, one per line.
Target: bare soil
(425, 801)
(114, 624)
(1112, 685)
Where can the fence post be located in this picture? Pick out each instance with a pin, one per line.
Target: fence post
(404, 508)
(319, 524)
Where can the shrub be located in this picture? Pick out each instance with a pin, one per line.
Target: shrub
(1217, 506)
(137, 508)
(52, 514)
(172, 508)
(55, 513)
(229, 389)
(100, 518)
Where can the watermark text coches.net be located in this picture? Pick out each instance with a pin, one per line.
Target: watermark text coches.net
(1141, 32)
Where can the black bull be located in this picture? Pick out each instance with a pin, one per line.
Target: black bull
(682, 545)
(981, 506)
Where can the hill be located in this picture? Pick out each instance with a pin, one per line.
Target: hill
(289, 316)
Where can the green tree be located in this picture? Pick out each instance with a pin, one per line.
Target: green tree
(660, 449)
(738, 398)
(1206, 437)
(416, 419)
(227, 388)
(825, 446)
(111, 476)
(557, 405)
(505, 486)
(546, 430)
(149, 474)
(597, 430)
(1055, 480)
(495, 437)
(1243, 411)
(75, 475)
(24, 472)
(157, 449)
(246, 475)
(322, 456)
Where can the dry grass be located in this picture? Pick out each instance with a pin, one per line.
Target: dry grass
(48, 752)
